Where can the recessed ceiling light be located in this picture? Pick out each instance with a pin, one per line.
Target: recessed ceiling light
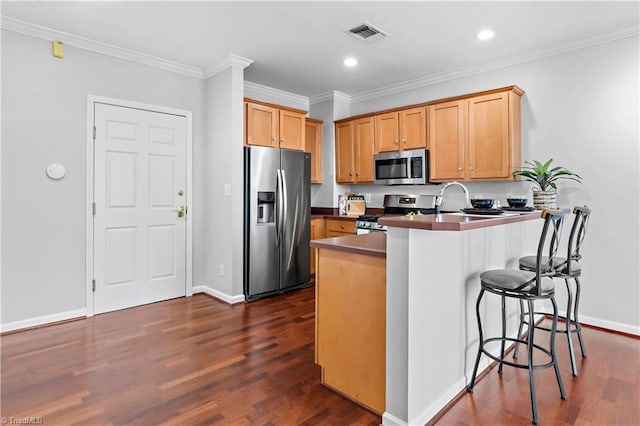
(485, 35)
(350, 62)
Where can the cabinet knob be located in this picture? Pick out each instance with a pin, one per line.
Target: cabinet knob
(460, 168)
(350, 174)
(273, 139)
(396, 142)
(404, 141)
(471, 168)
(357, 174)
(281, 139)
(341, 226)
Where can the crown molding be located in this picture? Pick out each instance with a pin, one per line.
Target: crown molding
(228, 62)
(260, 91)
(593, 40)
(330, 96)
(44, 33)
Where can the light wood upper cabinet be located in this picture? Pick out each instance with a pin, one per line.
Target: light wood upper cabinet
(274, 126)
(344, 152)
(364, 148)
(413, 128)
(387, 126)
(313, 145)
(447, 140)
(397, 131)
(476, 138)
(489, 141)
(261, 125)
(354, 151)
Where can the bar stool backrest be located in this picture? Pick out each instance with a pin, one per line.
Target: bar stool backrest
(548, 245)
(576, 237)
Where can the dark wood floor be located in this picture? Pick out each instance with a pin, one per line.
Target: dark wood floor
(196, 360)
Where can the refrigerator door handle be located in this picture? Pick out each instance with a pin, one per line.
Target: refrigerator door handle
(285, 198)
(278, 205)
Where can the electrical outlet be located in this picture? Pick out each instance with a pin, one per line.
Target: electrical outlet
(227, 189)
(367, 198)
(221, 270)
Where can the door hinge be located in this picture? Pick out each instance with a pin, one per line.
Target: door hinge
(94, 208)
(93, 285)
(94, 133)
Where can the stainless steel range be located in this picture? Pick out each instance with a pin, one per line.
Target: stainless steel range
(397, 205)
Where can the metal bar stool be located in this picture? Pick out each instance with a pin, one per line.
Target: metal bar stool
(526, 286)
(565, 270)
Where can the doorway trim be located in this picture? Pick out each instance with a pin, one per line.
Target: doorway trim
(89, 261)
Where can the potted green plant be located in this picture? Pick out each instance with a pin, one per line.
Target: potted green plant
(545, 177)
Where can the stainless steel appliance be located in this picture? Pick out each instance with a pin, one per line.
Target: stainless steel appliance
(277, 215)
(402, 168)
(397, 205)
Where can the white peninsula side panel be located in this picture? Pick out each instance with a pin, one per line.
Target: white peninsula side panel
(432, 334)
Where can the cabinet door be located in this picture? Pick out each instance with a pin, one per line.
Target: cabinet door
(489, 144)
(262, 125)
(317, 232)
(364, 150)
(387, 132)
(292, 130)
(447, 139)
(344, 152)
(313, 145)
(413, 128)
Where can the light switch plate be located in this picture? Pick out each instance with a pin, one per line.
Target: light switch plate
(227, 189)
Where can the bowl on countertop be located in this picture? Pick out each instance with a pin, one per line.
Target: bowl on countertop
(482, 203)
(517, 202)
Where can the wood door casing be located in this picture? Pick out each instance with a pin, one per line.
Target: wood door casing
(447, 140)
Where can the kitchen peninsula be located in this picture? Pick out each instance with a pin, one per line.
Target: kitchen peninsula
(429, 272)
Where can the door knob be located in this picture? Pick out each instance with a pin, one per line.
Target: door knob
(180, 211)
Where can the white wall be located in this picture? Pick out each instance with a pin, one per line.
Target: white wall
(44, 116)
(221, 271)
(580, 108)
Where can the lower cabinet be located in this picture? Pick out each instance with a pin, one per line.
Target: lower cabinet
(317, 232)
(340, 227)
(351, 325)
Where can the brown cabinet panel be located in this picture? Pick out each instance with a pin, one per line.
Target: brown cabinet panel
(364, 150)
(292, 130)
(273, 126)
(413, 128)
(262, 125)
(317, 233)
(386, 132)
(340, 227)
(313, 145)
(344, 152)
(489, 144)
(447, 140)
(351, 325)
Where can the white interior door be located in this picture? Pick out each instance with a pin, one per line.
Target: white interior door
(139, 186)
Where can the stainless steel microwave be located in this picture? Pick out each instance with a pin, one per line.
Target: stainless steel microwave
(401, 168)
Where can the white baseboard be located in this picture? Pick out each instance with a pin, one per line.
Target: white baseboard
(232, 300)
(391, 420)
(45, 319)
(606, 324)
(428, 413)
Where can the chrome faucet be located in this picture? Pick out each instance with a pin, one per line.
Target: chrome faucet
(439, 198)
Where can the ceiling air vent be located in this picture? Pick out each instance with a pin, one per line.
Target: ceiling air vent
(367, 32)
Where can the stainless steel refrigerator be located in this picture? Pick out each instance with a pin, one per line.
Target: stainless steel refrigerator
(277, 220)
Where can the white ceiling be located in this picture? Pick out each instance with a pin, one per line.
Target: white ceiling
(299, 46)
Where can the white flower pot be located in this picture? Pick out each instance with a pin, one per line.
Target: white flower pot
(545, 200)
